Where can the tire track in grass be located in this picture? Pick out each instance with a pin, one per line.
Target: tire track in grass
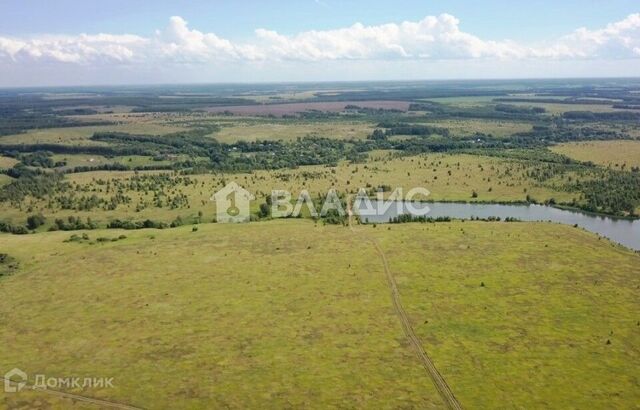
(75, 397)
(439, 382)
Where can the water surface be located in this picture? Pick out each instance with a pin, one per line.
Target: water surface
(623, 231)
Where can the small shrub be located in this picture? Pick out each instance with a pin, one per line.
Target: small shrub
(35, 221)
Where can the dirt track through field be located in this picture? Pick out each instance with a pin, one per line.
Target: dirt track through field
(439, 382)
(75, 397)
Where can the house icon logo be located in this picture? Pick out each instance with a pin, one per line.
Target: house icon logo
(232, 204)
(14, 381)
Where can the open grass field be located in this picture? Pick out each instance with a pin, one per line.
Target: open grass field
(102, 109)
(238, 131)
(284, 96)
(556, 108)
(608, 153)
(251, 129)
(464, 101)
(448, 177)
(550, 107)
(181, 317)
(633, 131)
(468, 127)
(69, 136)
(288, 314)
(81, 135)
(7, 162)
(4, 179)
(492, 347)
(78, 160)
(293, 108)
(145, 123)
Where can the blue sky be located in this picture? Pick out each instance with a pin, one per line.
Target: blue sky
(217, 41)
(493, 19)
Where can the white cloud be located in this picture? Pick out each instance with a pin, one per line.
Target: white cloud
(178, 41)
(432, 38)
(616, 40)
(72, 49)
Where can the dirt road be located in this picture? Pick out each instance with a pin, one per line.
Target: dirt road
(441, 385)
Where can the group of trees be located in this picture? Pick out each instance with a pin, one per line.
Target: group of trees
(406, 218)
(40, 159)
(130, 225)
(33, 223)
(615, 192)
(30, 183)
(8, 227)
(420, 130)
(16, 119)
(602, 116)
(543, 135)
(518, 109)
(73, 223)
(439, 111)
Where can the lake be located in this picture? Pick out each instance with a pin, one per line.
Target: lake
(622, 231)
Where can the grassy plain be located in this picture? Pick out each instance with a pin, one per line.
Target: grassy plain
(7, 162)
(144, 123)
(468, 127)
(288, 131)
(607, 153)
(448, 177)
(5, 179)
(187, 317)
(280, 97)
(550, 107)
(464, 101)
(300, 107)
(294, 314)
(77, 160)
(469, 289)
(556, 108)
(633, 131)
(81, 135)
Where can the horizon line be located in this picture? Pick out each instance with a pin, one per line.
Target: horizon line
(399, 81)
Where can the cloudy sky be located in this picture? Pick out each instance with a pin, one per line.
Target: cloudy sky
(74, 42)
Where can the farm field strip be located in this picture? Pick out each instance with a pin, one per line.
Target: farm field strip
(238, 131)
(615, 154)
(293, 108)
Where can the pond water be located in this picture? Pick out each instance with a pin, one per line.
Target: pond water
(623, 231)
